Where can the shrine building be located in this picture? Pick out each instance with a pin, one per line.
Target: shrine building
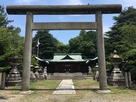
(67, 63)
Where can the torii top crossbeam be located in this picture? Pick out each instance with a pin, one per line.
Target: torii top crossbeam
(63, 9)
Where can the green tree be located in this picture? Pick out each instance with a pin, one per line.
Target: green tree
(129, 32)
(62, 48)
(10, 41)
(130, 62)
(122, 33)
(48, 44)
(3, 17)
(85, 43)
(122, 38)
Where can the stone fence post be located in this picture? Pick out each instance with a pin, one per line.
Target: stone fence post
(2, 80)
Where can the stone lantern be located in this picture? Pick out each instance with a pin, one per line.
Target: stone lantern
(116, 78)
(13, 77)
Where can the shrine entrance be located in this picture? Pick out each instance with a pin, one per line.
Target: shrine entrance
(30, 10)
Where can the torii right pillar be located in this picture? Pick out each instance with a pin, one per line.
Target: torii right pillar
(101, 52)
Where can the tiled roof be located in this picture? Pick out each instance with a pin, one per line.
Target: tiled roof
(71, 57)
(67, 57)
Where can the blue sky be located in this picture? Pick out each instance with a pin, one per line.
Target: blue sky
(64, 35)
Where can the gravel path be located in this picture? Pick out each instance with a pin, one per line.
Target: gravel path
(65, 87)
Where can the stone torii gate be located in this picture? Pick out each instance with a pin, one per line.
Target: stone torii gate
(30, 10)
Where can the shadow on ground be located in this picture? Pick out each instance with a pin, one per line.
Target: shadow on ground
(47, 89)
(3, 98)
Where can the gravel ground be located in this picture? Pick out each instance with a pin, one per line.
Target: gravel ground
(9, 96)
(81, 96)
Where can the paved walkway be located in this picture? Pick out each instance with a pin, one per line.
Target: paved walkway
(65, 87)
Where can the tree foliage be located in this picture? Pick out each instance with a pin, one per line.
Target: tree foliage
(85, 43)
(3, 17)
(10, 41)
(62, 48)
(122, 38)
(48, 44)
(122, 34)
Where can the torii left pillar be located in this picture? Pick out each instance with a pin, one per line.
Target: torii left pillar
(27, 52)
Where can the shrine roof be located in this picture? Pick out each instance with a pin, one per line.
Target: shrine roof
(70, 57)
(67, 57)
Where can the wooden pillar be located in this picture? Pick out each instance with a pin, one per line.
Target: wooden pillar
(101, 52)
(27, 52)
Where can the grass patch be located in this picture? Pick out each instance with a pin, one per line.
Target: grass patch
(120, 90)
(47, 84)
(42, 90)
(41, 84)
(87, 83)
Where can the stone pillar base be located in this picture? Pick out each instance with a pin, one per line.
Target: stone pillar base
(103, 91)
(116, 83)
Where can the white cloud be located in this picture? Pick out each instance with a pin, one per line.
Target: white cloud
(24, 1)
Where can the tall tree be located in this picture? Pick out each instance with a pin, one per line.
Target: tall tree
(62, 48)
(3, 17)
(85, 43)
(47, 46)
(123, 28)
(10, 41)
(122, 38)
